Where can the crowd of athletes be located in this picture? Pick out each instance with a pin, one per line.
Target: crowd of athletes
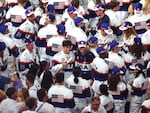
(74, 56)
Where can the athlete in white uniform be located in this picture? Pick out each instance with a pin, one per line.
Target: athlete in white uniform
(9, 101)
(124, 5)
(60, 96)
(104, 34)
(44, 34)
(30, 78)
(54, 44)
(4, 36)
(77, 34)
(114, 57)
(27, 58)
(43, 106)
(83, 59)
(4, 59)
(64, 60)
(60, 6)
(139, 86)
(69, 23)
(93, 44)
(139, 19)
(118, 90)
(142, 54)
(16, 15)
(145, 38)
(41, 10)
(128, 33)
(80, 88)
(100, 69)
(28, 29)
(106, 98)
(93, 19)
(115, 18)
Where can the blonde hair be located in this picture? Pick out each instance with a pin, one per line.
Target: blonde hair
(24, 94)
(129, 32)
(146, 5)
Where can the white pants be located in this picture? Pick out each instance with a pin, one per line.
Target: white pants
(80, 104)
(135, 104)
(119, 106)
(62, 110)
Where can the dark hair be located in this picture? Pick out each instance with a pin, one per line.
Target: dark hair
(95, 98)
(41, 94)
(137, 50)
(30, 77)
(42, 65)
(76, 72)
(104, 55)
(30, 102)
(22, 1)
(140, 72)
(34, 69)
(59, 77)
(75, 3)
(104, 89)
(47, 80)
(113, 4)
(113, 81)
(10, 91)
(66, 43)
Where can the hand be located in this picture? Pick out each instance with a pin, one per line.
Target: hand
(64, 64)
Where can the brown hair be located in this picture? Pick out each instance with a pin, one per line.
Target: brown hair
(25, 94)
(113, 81)
(129, 32)
(137, 50)
(75, 3)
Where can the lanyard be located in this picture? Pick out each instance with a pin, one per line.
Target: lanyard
(40, 107)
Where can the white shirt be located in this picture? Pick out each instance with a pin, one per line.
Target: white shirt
(29, 111)
(8, 106)
(17, 11)
(62, 57)
(55, 43)
(8, 40)
(69, 24)
(102, 40)
(146, 38)
(116, 59)
(115, 18)
(78, 34)
(107, 102)
(44, 107)
(33, 91)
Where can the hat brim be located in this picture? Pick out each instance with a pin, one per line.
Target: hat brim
(120, 44)
(44, 1)
(81, 45)
(103, 51)
(97, 9)
(32, 13)
(74, 12)
(122, 28)
(109, 31)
